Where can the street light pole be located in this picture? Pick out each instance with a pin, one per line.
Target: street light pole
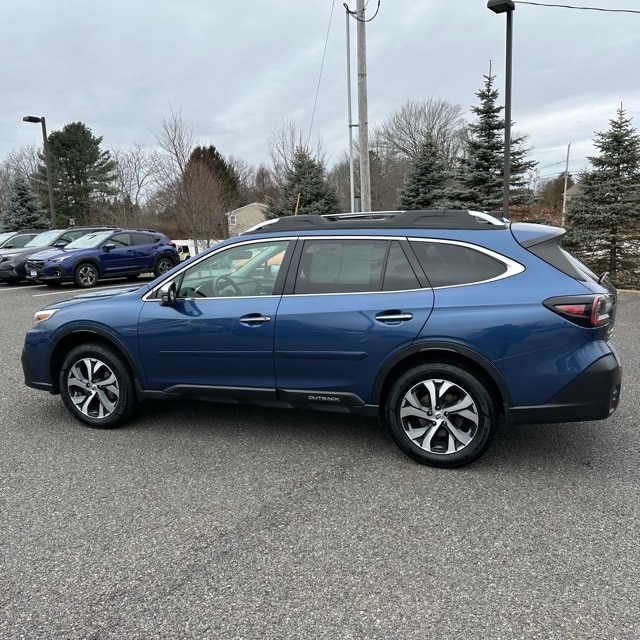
(47, 163)
(508, 7)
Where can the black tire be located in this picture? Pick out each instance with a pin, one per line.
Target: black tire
(96, 386)
(433, 435)
(86, 275)
(163, 264)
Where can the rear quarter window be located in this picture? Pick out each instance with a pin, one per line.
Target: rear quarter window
(142, 238)
(447, 264)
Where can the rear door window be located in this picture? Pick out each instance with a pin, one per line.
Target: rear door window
(340, 266)
(398, 274)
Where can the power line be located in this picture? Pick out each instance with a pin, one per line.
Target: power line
(354, 14)
(324, 55)
(568, 6)
(546, 166)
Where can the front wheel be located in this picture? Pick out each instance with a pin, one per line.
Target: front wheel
(441, 415)
(96, 386)
(86, 275)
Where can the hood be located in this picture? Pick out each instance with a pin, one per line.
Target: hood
(100, 294)
(111, 292)
(47, 254)
(24, 251)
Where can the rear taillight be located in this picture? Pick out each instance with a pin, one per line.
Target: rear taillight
(587, 311)
(171, 243)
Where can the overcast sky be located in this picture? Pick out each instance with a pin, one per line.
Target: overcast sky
(235, 70)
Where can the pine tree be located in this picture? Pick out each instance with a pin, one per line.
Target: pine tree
(306, 180)
(82, 174)
(23, 211)
(482, 171)
(221, 170)
(426, 186)
(604, 218)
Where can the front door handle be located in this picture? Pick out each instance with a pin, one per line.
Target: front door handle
(255, 318)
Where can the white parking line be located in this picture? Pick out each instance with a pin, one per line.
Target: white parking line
(57, 293)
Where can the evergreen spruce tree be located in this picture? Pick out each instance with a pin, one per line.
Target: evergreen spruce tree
(482, 171)
(604, 218)
(221, 170)
(82, 174)
(23, 210)
(306, 179)
(428, 182)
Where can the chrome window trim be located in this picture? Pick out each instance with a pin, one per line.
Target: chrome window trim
(513, 267)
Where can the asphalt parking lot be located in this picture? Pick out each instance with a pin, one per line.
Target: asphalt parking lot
(212, 521)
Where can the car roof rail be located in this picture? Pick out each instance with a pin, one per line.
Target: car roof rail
(420, 219)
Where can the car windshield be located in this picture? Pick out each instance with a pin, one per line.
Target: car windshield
(5, 236)
(89, 241)
(44, 239)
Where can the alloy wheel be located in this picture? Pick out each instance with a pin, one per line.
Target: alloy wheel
(439, 416)
(93, 388)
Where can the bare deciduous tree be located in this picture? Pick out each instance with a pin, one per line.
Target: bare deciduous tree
(190, 189)
(134, 179)
(404, 131)
(283, 142)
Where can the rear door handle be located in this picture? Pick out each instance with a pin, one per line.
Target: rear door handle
(394, 316)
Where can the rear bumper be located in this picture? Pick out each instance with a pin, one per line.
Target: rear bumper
(593, 395)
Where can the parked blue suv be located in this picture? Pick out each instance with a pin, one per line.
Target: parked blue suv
(104, 254)
(447, 323)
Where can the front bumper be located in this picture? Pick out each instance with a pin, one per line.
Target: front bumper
(10, 274)
(593, 395)
(30, 377)
(54, 274)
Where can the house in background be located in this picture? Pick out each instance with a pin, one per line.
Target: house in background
(244, 218)
(572, 192)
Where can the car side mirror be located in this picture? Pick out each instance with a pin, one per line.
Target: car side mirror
(107, 246)
(168, 294)
(61, 245)
(8, 246)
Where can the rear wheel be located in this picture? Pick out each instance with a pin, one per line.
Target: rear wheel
(96, 386)
(86, 275)
(441, 415)
(163, 264)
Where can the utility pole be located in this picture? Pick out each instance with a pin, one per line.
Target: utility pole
(566, 177)
(352, 192)
(363, 118)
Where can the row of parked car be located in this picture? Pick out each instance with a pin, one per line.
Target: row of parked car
(84, 255)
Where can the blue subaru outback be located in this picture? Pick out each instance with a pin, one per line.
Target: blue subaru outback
(104, 254)
(446, 323)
